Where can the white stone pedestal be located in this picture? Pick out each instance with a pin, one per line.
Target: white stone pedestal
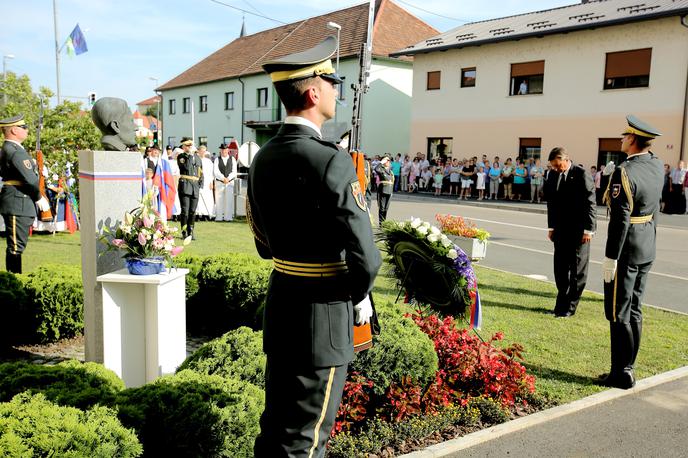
(474, 248)
(144, 324)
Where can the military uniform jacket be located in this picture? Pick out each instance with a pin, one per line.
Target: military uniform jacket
(633, 195)
(306, 206)
(571, 209)
(386, 184)
(191, 166)
(16, 168)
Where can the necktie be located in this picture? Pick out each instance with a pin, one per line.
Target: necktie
(561, 178)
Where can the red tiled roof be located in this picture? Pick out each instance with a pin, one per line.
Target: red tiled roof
(147, 120)
(393, 29)
(150, 101)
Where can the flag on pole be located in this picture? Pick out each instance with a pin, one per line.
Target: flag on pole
(76, 43)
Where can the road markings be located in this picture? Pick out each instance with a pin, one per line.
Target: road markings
(538, 228)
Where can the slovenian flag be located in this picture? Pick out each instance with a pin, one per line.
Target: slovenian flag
(76, 43)
(476, 319)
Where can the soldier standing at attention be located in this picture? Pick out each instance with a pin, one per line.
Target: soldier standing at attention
(190, 182)
(385, 188)
(19, 191)
(308, 214)
(632, 195)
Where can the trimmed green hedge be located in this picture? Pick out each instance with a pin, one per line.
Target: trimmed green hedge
(30, 425)
(400, 350)
(232, 290)
(56, 301)
(190, 414)
(16, 319)
(69, 383)
(237, 354)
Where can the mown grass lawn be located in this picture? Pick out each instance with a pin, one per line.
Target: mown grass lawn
(565, 355)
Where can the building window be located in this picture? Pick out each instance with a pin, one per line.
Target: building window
(262, 94)
(172, 141)
(229, 100)
(227, 140)
(186, 108)
(468, 77)
(203, 103)
(433, 81)
(173, 106)
(203, 141)
(529, 148)
(628, 69)
(527, 78)
(439, 148)
(610, 150)
(342, 89)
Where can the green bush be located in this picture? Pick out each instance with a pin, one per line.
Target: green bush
(237, 354)
(193, 263)
(400, 350)
(377, 435)
(30, 425)
(232, 289)
(56, 301)
(16, 318)
(69, 383)
(191, 414)
(491, 411)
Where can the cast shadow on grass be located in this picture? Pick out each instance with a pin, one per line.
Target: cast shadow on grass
(521, 308)
(549, 373)
(518, 291)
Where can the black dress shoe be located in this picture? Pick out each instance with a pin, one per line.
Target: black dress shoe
(564, 315)
(625, 380)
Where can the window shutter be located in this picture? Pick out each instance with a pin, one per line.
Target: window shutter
(434, 80)
(610, 144)
(528, 68)
(628, 63)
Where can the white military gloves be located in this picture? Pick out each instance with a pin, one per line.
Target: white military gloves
(364, 311)
(608, 269)
(43, 204)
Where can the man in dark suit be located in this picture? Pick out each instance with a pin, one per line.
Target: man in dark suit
(632, 195)
(571, 219)
(190, 183)
(308, 214)
(385, 187)
(19, 191)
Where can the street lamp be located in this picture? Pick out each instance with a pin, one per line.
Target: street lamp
(5, 58)
(157, 127)
(338, 28)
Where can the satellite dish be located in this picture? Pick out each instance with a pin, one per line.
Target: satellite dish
(247, 152)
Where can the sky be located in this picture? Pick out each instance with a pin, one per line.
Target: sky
(131, 41)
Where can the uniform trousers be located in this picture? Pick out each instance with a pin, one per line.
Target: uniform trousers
(383, 205)
(17, 230)
(570, 273)
(301, 404)
(188, 215)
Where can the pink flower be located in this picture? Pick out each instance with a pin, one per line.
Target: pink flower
(147, 222)
(118, 243)
(142, 238)
(158, 243)
(176, 250)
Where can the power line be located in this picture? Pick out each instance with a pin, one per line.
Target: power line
(253, 7)
(434, 14)
(248, 12)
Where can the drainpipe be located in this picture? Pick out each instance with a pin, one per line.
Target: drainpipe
(242, 110)
(684, 23)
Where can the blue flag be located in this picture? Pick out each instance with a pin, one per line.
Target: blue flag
(76, 41)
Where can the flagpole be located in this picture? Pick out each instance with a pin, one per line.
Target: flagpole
(57, 51)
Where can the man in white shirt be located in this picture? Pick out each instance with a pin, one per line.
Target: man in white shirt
(224, 172)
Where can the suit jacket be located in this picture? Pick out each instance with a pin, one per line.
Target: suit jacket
(306, 206)
(634, 191)
(17, 166)
(571, 208)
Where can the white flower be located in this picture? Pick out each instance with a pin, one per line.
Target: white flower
(128, 218)
(445, 241)
(425, 224)
(433, 238)
(415, 222)
(125, 228)
(452, 254)
(435, 230)
(422, 230)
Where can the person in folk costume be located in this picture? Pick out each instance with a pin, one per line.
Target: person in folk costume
(225, 172)
(206, 201)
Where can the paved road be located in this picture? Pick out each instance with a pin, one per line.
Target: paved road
(519, 244)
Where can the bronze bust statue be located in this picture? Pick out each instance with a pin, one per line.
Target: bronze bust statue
(115, 121)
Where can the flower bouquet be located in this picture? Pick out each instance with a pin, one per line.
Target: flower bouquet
(432, 269)
(465, 234)
(145, 238)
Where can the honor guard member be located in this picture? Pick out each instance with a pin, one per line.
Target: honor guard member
(190, 182)
(385, 187)
(632, 195)
(19, 191)
(308, 214)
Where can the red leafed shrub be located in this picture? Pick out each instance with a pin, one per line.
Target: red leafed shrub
(355, 403)
(469, 367)
(403, 400)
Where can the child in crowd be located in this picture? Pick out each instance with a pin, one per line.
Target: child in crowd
(149, 183)
(439, 177)
(480, 183)
(426, 180)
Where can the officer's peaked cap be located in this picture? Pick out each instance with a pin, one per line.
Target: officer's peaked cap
(306, 64)
(13, 121)
(638, 127)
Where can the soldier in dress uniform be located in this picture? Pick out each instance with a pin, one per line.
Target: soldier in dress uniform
(632, 195)
(385, 187)
(308, 214)
(190, 182)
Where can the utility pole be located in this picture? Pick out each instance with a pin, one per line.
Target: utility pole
(57, 51)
